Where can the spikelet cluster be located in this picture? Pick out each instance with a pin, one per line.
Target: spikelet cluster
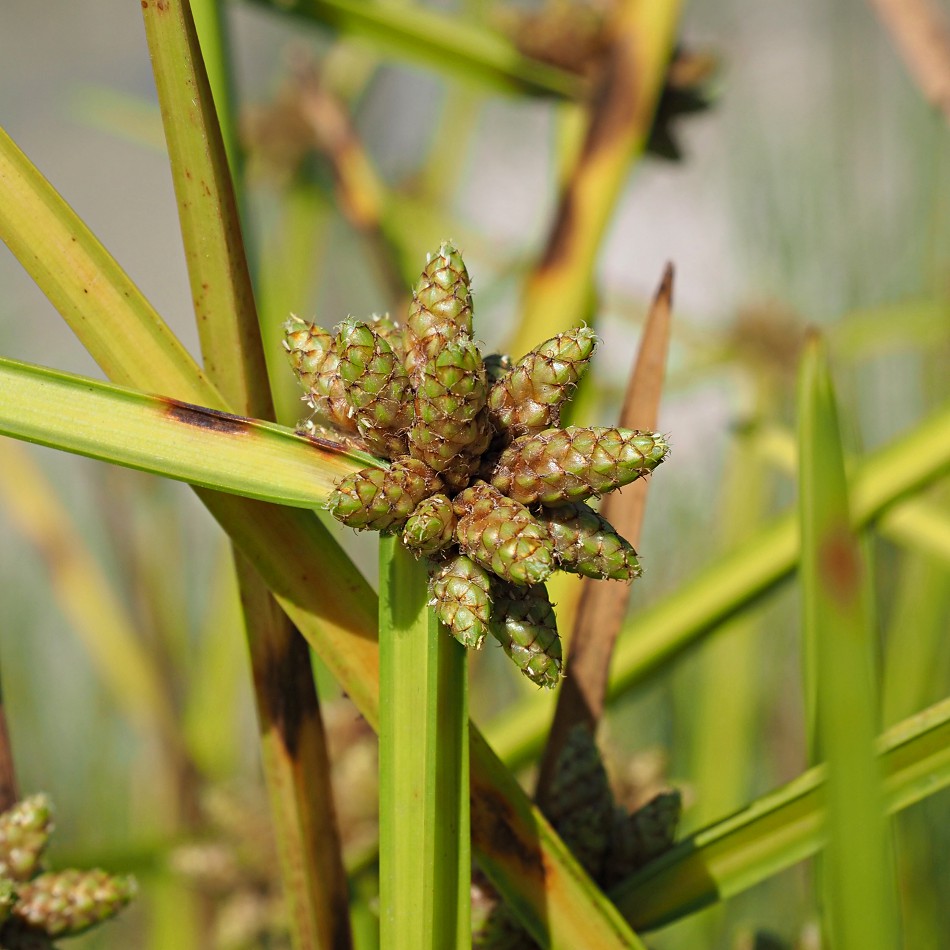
(37, 906)
(477, 474)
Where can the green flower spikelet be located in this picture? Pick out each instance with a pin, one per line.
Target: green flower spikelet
(502, 535)
(461, 595)
(377, 388)
(529, 397)
(523, 622)
(562, 465)
(383, 499)
(431, 526)
(585, 543)
(313, 356)
(441, 309)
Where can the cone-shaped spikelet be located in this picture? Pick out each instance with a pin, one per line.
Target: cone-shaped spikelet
(65, 903)
(431, 526)
(529, 398)
(461, 596)
(24, 832)
(441, 309)
(580, 803)
(450, 428)
(391, 331)
(382, 499)
(561, 465)
(642, 836)
(377, 388)
(523, 623)
(316, 363)
(502, 535)
(585, 543)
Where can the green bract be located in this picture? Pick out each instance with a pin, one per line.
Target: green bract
(480, 477)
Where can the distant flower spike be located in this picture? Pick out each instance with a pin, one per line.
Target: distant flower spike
(377, 388)
(529, 398)
(579, 803)
(24, 833)
(502, 535)
(586, 543)
(65, 903)
(461, 595)
(561, 465)
(642, 836)
(316, 363)
(382, 499)
(523, 622)
(431, 526)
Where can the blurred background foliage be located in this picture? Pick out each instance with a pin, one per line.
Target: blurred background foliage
(814, 190)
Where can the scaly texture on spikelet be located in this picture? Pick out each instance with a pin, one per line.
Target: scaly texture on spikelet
(450, 427)
(316, 363)
(502, 535)
(431, 526)
(382, 499)
(461, 595)
(65, 903)
(391, 331)
(24, 833)
(523, 622)
(528, 399)
(580, 804)
(642, 836)
(377, 388)
(441, 309)
(562, 465)
(586, 543)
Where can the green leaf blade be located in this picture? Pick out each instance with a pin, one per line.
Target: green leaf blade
(840, 693)
(205, 447)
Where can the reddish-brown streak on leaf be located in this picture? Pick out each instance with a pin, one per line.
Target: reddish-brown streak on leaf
(206, 418)
(840, 567)
(286, 692)
(497, 835)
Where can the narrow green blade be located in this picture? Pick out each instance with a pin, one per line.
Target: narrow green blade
(781, 828)
(156, 434)
(840, 678)
(424, 828)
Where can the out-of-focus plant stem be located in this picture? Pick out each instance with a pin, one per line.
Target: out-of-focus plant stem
(559, 289)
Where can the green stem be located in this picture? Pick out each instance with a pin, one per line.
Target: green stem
(423, 760)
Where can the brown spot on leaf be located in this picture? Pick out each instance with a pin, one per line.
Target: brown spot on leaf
(840, 566)
(495, 827)
(206, 418)
(286, 695)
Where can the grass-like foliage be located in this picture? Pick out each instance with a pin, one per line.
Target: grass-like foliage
(744, 680)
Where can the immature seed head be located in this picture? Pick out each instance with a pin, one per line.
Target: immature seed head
(523, 622)
(502, 535)
(461, 595)
(562, 465)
